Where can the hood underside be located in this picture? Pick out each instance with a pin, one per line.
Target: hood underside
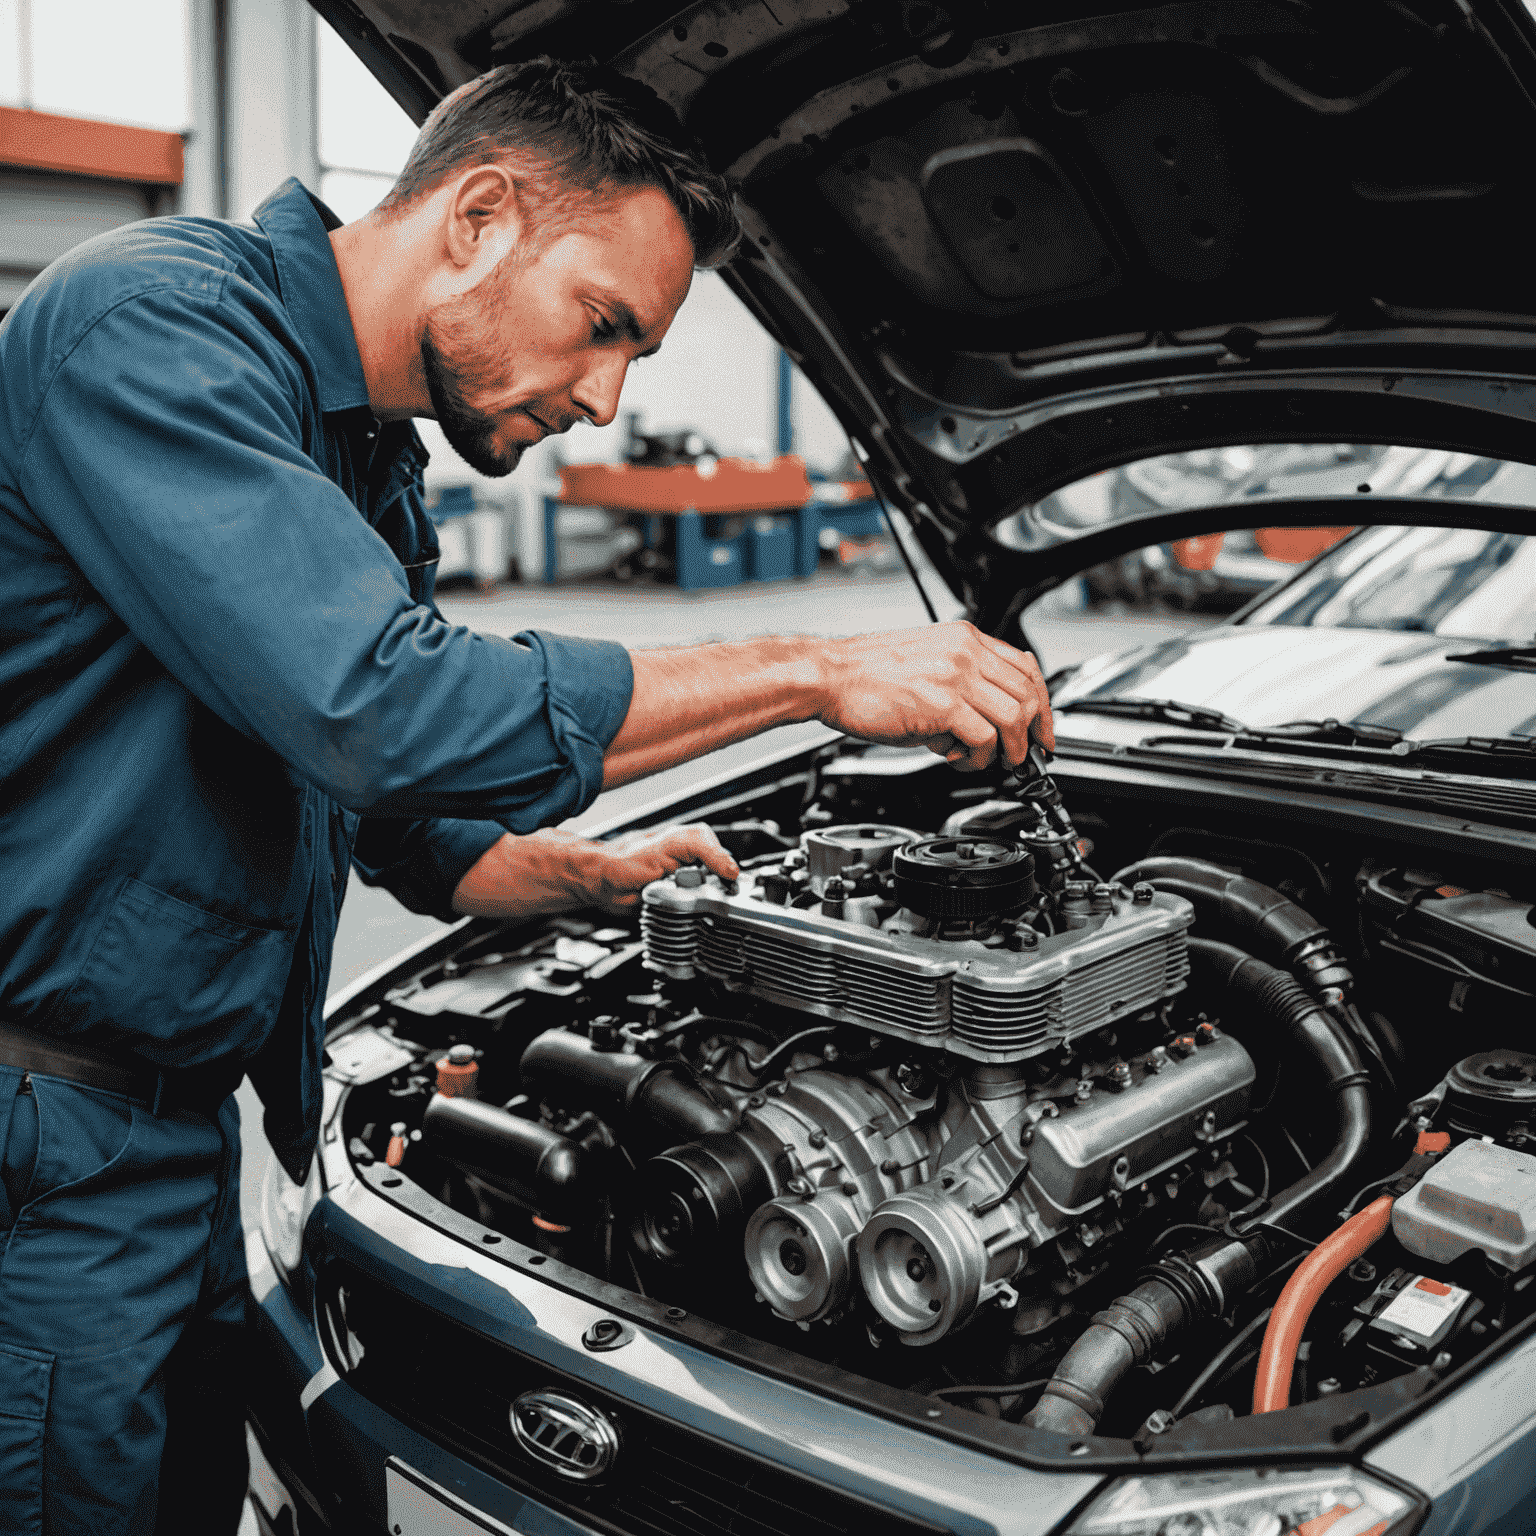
(1012, 245)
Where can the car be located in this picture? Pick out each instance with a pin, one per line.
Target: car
(1221, 572)
(1134, 1143)
(1415, 634)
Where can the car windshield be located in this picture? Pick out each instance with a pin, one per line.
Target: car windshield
(1456, 582)
(1245, 476)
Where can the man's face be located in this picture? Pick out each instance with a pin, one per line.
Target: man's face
(545, 341)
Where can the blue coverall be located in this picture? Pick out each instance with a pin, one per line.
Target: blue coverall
(222, 677)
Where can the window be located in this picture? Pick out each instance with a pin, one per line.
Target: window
(98, 59)
(364, 136)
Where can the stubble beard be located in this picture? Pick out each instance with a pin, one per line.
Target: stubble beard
(470, 433)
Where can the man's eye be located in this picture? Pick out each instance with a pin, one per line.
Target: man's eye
(603, 329)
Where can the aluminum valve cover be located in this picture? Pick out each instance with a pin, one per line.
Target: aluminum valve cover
(988, 1004)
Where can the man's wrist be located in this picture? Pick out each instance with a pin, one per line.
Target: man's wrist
(807, 666)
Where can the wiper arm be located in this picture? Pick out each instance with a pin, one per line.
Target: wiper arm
(1508, 748)
(1340, 733)
(1522, 657)
(1163, 711)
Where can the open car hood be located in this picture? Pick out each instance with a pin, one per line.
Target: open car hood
(1014, 245)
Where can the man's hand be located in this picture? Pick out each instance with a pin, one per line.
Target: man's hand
(552, 871)
(947, 687)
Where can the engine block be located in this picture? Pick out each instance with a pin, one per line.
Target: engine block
(974, 998)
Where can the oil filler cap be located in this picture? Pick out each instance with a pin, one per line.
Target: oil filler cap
(963, 877)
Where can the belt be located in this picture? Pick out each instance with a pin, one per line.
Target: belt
(161, 1089)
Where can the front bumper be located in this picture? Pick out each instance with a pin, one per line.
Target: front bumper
(332, 1446)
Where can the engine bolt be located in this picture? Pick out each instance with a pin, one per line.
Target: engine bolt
(1142, 893)
(890, 1165)
(1158, 1059)
(1084, 1090)
(1120, 1075)
(849, 1187)
(757, 1101)
(689, 878)
(1362, 1270)
(917, 1270)
(461, 1055)
(818, 1138)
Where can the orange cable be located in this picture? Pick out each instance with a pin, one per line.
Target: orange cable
(1303, 1291)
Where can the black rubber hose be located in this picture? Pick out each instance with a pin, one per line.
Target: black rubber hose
(1277, 998)
(1124, 1334)
(520, 1157)
(1262, 920)
(1249, 910)
(1175, 1292)
(1183, 1289)
(664, 1096)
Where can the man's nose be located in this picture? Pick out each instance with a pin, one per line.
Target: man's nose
(597, 394)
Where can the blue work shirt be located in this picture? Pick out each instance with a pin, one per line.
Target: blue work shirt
(222, 674)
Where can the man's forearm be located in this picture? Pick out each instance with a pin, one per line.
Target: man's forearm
(695, 700)
(522, 876)
(963, 694)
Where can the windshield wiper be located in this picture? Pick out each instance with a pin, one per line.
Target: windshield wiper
(1163, 711)
(1507, 748)
(1522, 657)
(1338, 732)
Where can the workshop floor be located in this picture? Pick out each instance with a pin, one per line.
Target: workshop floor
(374, 927)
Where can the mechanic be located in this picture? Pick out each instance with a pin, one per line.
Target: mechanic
(224, 681)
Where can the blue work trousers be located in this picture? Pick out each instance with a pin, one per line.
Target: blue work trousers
(122, 1283)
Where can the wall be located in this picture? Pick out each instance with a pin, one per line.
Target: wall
(256, 67)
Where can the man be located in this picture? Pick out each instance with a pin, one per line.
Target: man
(224, 679)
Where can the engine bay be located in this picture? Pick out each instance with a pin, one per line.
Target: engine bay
(926, 1097)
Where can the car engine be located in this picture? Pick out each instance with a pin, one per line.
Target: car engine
(870, 1181)
(924, 1096)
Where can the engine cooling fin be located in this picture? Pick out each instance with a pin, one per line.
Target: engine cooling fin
(982, 1002)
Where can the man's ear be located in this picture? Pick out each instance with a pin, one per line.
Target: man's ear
(484, 216)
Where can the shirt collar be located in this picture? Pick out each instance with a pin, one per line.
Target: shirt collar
(297, 224)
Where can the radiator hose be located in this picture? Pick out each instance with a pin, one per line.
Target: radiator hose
(1303, 1291)
(1272, 926)
(535, 1164)
(660, 1101)
(1178, 1291)
(1276, 998)
(1254, 915)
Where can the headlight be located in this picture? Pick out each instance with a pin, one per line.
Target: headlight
(1248, 1501)
(285, 1207)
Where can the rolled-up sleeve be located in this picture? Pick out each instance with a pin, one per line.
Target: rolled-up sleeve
(168, 457)
(420, 863)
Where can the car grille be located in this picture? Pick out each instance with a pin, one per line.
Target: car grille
(457, 1387)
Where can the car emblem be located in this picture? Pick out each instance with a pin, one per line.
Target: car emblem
(562, 1433)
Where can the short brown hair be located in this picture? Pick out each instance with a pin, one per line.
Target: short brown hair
(589, 131)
